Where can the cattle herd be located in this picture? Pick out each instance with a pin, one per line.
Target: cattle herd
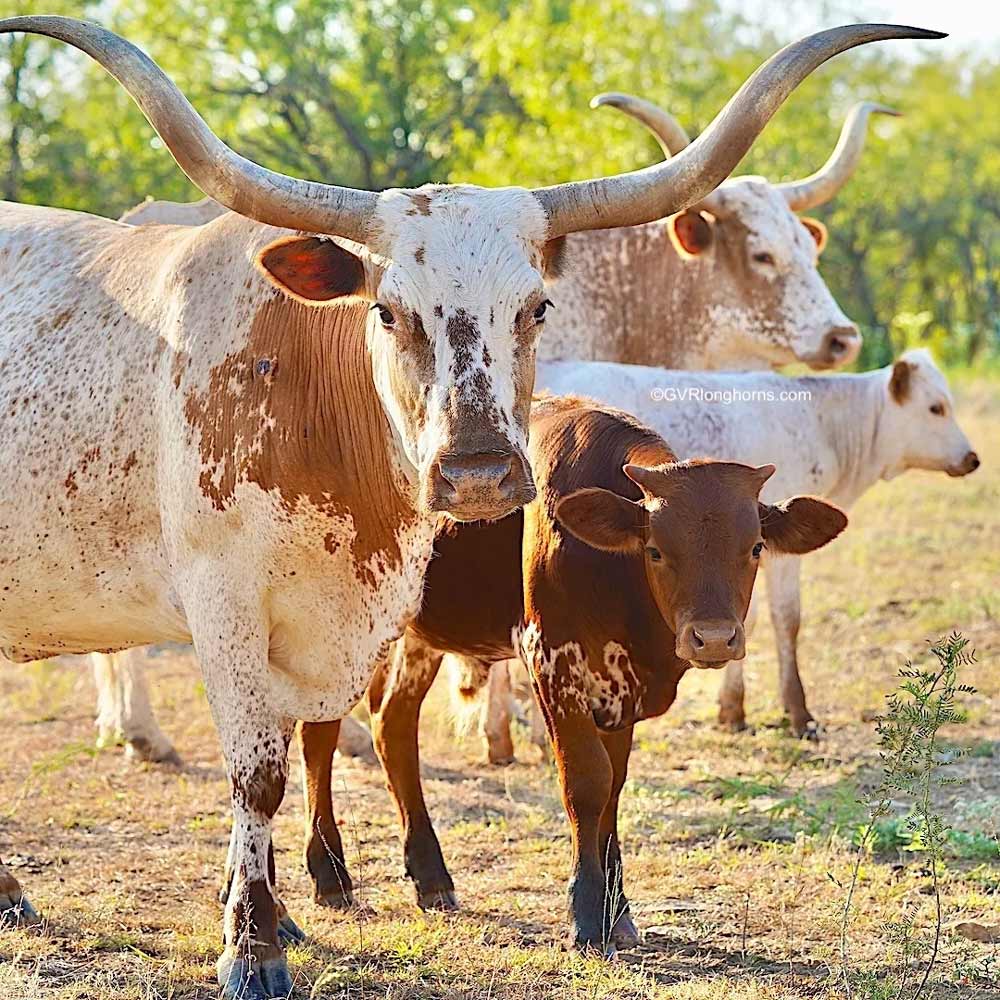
(319, 432)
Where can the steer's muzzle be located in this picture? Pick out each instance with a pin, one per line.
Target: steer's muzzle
(968, 464)
(711, 642)
(840, 347)
(481, 485)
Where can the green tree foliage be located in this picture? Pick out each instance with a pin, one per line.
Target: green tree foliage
(381, 93)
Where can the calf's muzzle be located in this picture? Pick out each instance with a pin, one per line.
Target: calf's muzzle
(968, 464)
(711, 642)
(480, 485)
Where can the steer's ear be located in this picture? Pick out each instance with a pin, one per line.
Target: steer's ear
(899, 381)
(604, 520)
(312, 268)
(800, 525)
(690, 233)
(817, 231)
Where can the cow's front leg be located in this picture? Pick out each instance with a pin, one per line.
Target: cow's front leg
(784, 597)
(624, 934)
(15, 910)
(232, 646)
(124, 712)
(324, 850)
(395, 697)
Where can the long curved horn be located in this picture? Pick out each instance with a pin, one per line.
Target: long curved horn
(236, 182)
(665, 127)
(655, 192)
(834, 174)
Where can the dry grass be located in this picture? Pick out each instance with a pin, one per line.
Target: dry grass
(733, 846)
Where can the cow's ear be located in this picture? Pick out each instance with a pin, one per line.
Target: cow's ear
(899, 381)
(554, 258)
(312, 269)
(817, 231)
(800, 525)
(603, 520)
(690, 233)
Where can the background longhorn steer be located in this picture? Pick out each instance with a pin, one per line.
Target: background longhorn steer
(197, 451)
(617, 567)
(730, 283)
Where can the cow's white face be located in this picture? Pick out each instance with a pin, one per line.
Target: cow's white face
(766, 296)
(919, 424)
(457, 310)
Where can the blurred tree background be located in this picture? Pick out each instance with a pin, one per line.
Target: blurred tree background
(380, 93)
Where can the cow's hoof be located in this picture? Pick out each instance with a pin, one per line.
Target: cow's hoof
(593, 947)
(245, 977)
(145, 751)
(17, 912)
(501, 759)
(733, 723)
(442, 900)
(811, 731)
(626, 934)
(345, 901)
(289, 931)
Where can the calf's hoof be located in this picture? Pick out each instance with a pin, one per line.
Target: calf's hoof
(244, 976)
(141, 750)
(625, 934)
(807, 729)
(500, 750)
(17, 911)
(442, 900)
(289, 931)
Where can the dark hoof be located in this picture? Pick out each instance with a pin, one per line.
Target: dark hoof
(143, 751)
(811, 731)
(442, 900)
(626, 934)
(289, 932)
(590, 948)
(733, 724)
(344, 901)
(249, 978)
(17, 912)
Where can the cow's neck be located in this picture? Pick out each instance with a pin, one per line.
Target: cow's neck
(295, 411)
(621, 300)
(852, 408)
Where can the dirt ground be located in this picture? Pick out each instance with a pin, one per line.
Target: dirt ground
(737, 849)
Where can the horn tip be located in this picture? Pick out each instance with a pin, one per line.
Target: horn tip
(608, 97)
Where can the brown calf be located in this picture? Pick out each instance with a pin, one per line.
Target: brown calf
(632, 568)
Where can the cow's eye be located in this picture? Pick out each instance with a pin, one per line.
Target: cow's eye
(654, 553)
(764, 258)
(539, 313)
(757, 549)
(938, 409)
(385, 314)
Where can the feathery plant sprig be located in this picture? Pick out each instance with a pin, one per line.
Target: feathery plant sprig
(913, 762)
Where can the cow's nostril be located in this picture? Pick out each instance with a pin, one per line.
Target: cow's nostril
(972, 460)
(732, 642)
(696, 640)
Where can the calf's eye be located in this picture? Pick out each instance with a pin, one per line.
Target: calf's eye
(763, 258)
(938, 409)
(757, 549)
(653, 553)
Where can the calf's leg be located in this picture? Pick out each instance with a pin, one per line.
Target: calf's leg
(124, 712)
(15, 910)
(395, 696)
(784, 596)
(732, 710)
(624, 934)
(324, 850)
(497, 717)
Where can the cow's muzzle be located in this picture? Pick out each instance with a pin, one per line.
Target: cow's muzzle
(481, 485)
(840, 346)
(968, 464)
(711, 642)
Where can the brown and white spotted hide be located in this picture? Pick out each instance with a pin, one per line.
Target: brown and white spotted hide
(737, 290)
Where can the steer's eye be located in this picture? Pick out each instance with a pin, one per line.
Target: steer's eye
(938, 409)
(385, 314)
(757, 549)
(654, 553)
(764, 258)
(540, 311)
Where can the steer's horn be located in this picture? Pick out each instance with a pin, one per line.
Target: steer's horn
(665, 127)
(236, 182)
(833, 175)
(655, 192)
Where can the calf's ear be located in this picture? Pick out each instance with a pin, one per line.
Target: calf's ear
(690, 233)
(312, 269)
(800, 525)
(899, 381)
(817, 231)
(603, 520)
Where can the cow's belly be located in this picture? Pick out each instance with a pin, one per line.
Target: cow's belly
(334, 624)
